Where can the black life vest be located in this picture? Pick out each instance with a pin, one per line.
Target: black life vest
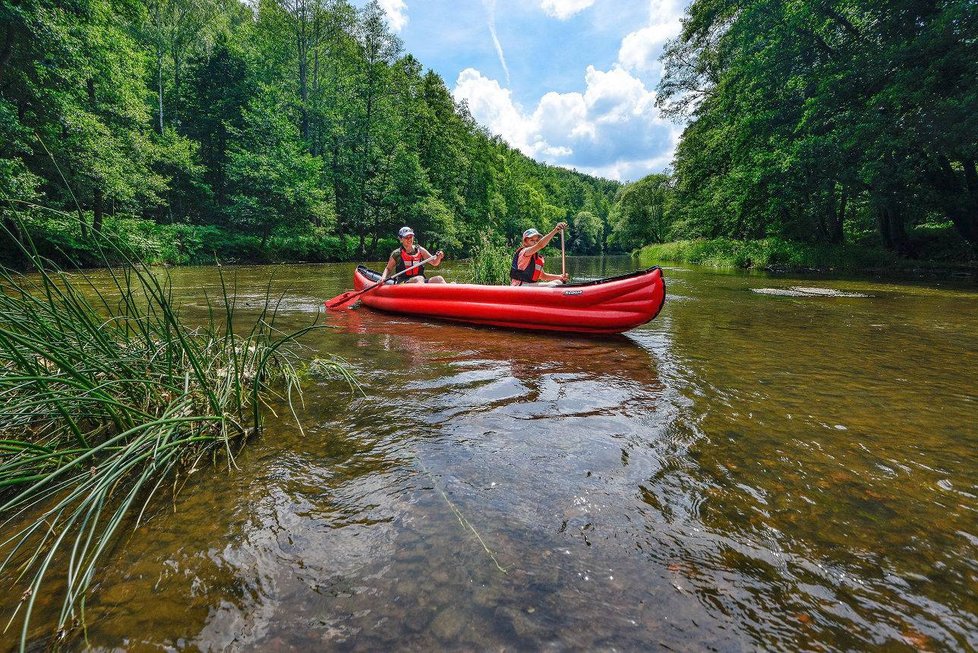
(405, 261)
(533, 271)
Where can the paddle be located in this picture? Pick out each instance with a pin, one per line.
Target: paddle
(563, 255)
(350, 296)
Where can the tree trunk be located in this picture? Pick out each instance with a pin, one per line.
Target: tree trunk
(7, 49)
(893, 229)
(336, 181)
(883, 224)
(302, 42)
(837, 235)
(159, 86)
(314, 144)
(960, 201)
(304, 95)
(176, 79)
(98, 209)
(822, 217)
(970, 211)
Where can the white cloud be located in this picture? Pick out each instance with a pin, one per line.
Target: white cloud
(493, 106)
(612, 128)
(562, 115)
(640, 50)
(564, 9)
(396, 11)
(616, 96)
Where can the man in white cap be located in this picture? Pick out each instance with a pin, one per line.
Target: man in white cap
(527, 267)
(409, 255)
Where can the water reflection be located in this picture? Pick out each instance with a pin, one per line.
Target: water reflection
(473, 448)
(825, 436)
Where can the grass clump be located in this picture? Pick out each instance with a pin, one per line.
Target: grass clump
(491, 262)
(106, 396)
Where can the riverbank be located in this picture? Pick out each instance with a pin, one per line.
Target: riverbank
(775, 254)
(58, 237)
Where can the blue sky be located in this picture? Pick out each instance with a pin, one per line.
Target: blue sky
(569, 82)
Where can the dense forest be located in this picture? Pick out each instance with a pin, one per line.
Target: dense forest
(828, 121)
(269, 130)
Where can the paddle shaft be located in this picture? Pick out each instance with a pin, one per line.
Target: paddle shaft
(563, 255)
(404, 271)
(345, 298)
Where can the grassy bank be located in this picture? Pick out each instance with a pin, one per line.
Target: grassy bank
(107, 399)
(778, 254)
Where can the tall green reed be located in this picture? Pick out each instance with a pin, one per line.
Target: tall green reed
(107, 396)
(491, 261)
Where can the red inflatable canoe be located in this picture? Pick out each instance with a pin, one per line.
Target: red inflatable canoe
(606, 306)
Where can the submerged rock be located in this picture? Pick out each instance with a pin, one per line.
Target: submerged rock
(803, 291)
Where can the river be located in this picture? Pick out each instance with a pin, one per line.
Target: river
(774, 463)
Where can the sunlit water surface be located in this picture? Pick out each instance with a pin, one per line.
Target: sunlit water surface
(773, 463)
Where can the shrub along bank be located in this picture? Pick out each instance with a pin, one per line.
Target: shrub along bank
(935, 250)
(56, 236)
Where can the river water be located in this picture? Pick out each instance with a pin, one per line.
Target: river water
(775, 462)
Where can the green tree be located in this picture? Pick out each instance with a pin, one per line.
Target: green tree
(586, 233)
(804, 113)
(75, 76)
(153, 109)
(639, 214)
(276, 184)
(216, 92)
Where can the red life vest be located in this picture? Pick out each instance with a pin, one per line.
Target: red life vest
(405, 261)
(533, 270)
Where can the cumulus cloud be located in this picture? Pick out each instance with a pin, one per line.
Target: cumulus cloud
(609, 128)
(612, 128)
(396, 11)
(640, 49)
(564, 9)
(492, 106)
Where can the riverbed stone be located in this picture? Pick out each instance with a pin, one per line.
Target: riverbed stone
(448, 625)
(522, 621)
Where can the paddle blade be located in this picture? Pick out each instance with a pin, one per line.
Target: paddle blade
(346, 300)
